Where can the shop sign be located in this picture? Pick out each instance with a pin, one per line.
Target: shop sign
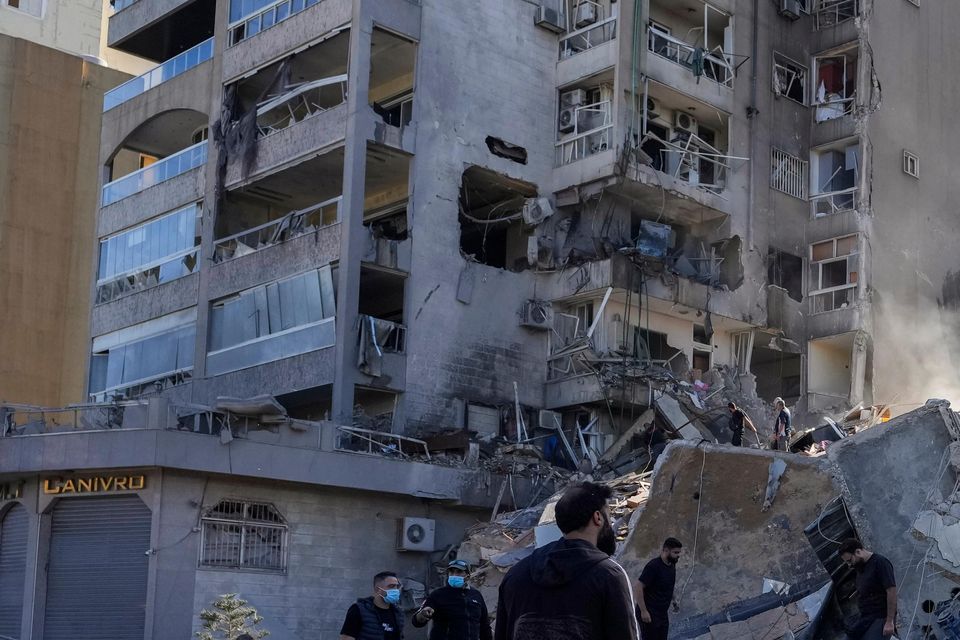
(94, 484)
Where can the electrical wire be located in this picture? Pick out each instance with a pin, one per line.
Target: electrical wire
(696, 531)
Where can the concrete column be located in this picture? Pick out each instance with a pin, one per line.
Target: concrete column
(352, 232)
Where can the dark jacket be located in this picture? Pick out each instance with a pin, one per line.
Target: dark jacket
(567, 590)
(372, 630)
(458, 614)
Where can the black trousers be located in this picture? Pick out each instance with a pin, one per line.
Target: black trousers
(655, 630)
(868, 629)
(737, 439)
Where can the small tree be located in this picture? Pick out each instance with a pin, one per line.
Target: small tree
(230, 618)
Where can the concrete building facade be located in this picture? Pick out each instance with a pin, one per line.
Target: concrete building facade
(388, 218)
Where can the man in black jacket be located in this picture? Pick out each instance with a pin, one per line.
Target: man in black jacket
(378, 617)
(457, 610)
(570, 589)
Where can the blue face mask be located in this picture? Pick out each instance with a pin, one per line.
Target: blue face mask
(391, 596)
(456, 582)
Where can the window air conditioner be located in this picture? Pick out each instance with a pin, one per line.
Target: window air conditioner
(791, 9)
(537, 314)
(586, 14)
(574, 98)
(653, 109)
(549, 19)
(416, 534)
(685, 122)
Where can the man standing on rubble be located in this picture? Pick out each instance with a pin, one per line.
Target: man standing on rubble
(570, 589)
(876, 592)
(655, 591)
(739, 419)
(783, 427)
(377, 617)
(457, 610)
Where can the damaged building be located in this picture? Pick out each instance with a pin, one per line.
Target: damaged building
(330, 232)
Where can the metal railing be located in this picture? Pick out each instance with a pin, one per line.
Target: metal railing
(825, 204)
(588, 37)
(368, 441)
(158, 75)
(833, 108)
(694, 162)
(160, 171)
(172, 267)
(292, 225)
(832, 299)
(394, 341)
(831, 12)
(598, 120)
(299, 102)
(686, 55)
(789, 174)
(18, 420)
(229, 544)
(265, 18)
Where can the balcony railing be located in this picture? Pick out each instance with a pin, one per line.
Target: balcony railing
(368, 441)
(831, 12)
(825, 204)
(833, 107)
(694, 58)
(300, 101)
(295, 223)
(158, 75)
(160, 171)
(266, 18)
(597, 121)
(386, 336)
(833, 299)
(690, 159)
(172, 267)
(588, 37)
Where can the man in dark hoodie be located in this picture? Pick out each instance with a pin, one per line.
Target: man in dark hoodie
(570, 589)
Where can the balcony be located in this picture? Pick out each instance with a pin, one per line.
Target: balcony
(587, 38)
(597, 120)
(173, 67)
(833, 12)
(159, 30)
(158, 172)
(693, 58)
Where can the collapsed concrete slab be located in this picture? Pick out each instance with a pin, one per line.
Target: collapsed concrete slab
(712, 498)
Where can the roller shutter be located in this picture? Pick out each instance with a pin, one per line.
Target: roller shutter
(97, 576)
(13, 564)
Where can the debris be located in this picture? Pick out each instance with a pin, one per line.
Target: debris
(777, 467)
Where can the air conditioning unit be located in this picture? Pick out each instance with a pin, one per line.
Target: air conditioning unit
(416, 534)
(537, 314)
(536, 210)
(549, 19)
(573, 98)
(568, 120)
(586, 14)
(548, 419)
(653, 109)
(685, 122)
(791, 9)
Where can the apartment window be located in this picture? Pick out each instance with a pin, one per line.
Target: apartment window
(835, 91)
(32, 7)
(243, 535)
(130, 361)
(834, 273)
(835, 173)
(584, 313)
(158, 251)
(789, 78)
(832, 12)
(273, 321)
(788, 174)
(911, 164)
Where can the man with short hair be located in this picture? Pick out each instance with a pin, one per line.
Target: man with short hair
(570, 589)
(739, 419)
(876, 592)
(655, 591)
(783, 426)
(376, 617)
(457, 610)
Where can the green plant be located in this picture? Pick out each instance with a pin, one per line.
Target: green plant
(230, 618)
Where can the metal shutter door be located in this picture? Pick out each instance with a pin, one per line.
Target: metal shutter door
(13, 565)
(97, 576)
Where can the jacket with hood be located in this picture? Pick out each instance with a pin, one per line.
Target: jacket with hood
(567, 590)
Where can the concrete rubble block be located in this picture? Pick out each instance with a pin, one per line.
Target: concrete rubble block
(955, 456)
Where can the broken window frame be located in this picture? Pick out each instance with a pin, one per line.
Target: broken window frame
(829, 13)
(826, 203)
(150, 270)
(717, 63)
(402, 102)
(839, 296)
(259, 526)
(588, 37)
(260, 19)
(825, 108)
(578, 144)
(297, 102)
(789, 174)
(793, 73)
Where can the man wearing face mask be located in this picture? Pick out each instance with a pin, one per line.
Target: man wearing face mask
(376, 617)
(655, 591)
(457, 610)
(570, 589)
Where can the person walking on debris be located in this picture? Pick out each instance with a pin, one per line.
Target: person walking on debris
(876, 592)
(457, 610)
(739, 419)
(570, 589)
(783, 427)
(377, 617)
(655, 591)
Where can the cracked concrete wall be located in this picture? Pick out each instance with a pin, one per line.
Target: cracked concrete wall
(737, 543)
(483, 349)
